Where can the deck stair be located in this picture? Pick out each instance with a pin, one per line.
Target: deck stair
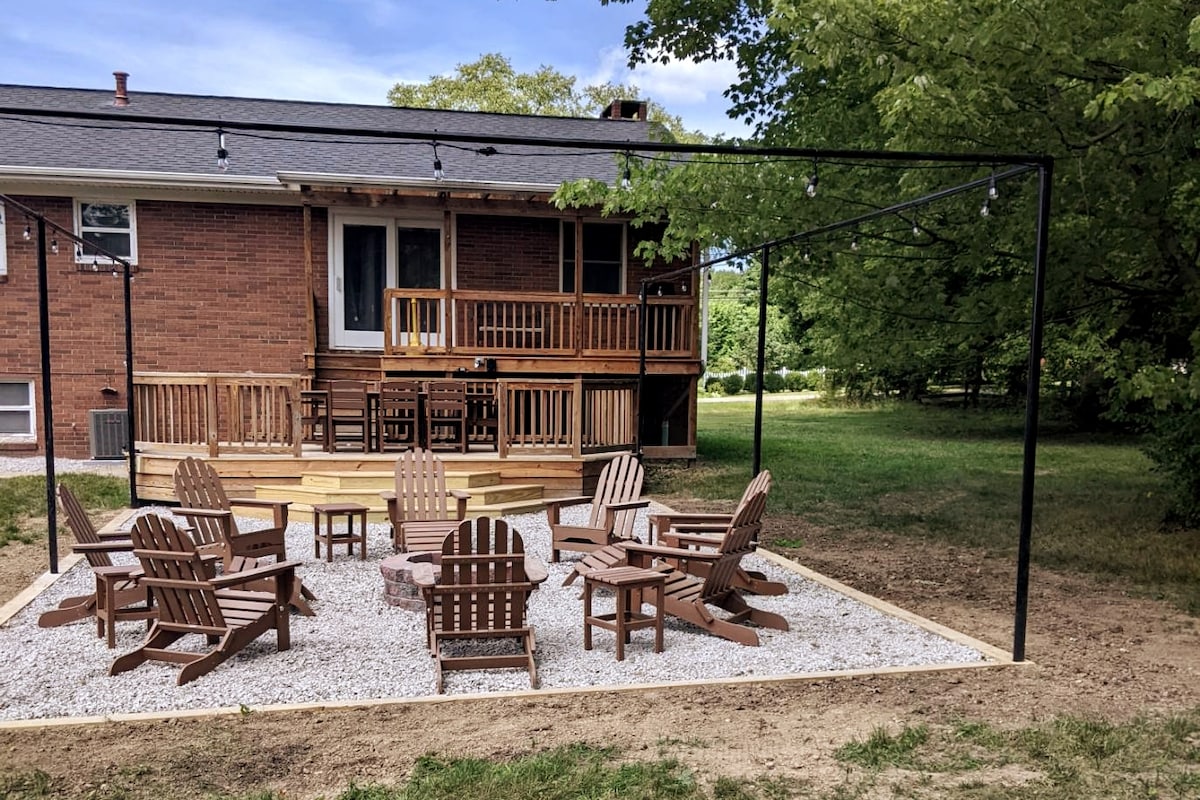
(488, 494)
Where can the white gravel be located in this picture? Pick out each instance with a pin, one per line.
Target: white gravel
(36, 465)
(358, 648)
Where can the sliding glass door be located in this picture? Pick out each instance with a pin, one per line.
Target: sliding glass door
(369, 255)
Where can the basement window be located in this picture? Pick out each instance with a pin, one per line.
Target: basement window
(16, 410)
(107, 224)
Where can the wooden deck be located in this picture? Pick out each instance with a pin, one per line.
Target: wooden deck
(244, 474)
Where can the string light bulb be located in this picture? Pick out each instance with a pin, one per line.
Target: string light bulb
(54, 246)
(807, 255)
(438, 172)
(626, 176)
(28, 234)
(993, 192)
(854, 243)
(222, 152)
(811, 189)
(985, 210)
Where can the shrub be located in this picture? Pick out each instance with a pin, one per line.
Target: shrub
(732, 383)
(802, 381)
(773, 382)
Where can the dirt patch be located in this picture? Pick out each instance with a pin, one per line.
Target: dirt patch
(1098, 651)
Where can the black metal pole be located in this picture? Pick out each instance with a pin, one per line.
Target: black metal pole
(129, 410)
(1021, 612)
(764, 274)
(643, 312)
(47, 394)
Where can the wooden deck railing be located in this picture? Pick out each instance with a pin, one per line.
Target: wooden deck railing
(218, 413)
(502, 323)
(566, 417)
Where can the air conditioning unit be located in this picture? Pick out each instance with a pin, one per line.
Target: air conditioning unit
(108, 432)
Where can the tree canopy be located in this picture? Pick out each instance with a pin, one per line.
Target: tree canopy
(491, 84)
(1108, 88)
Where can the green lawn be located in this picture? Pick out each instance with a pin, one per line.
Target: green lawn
(954, 475)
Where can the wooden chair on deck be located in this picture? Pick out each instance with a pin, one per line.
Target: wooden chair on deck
(483, 416)
(398, 415)
(688, 596)
(118, 596)
(349, 407)
(613, 509)
(190, 602)
(421, 509)
(446, 415)
(209, 511)
(481, 592)
(678, 529)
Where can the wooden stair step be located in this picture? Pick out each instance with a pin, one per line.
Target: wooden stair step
(380, 480)
(504, 493)
(531, 506)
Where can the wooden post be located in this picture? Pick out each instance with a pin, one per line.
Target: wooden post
(310, 299)
(210, 401)
(502, 427)
(297, 432)
(577, 418)
(578, 286)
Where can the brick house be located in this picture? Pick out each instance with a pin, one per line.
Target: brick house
(320, 255)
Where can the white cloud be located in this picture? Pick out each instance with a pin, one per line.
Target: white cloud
(685, 82)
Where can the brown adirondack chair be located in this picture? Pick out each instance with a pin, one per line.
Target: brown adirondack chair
(398, 418)
(190, 602)
(614, 507)
(446, 415)
(421, 509)
(676, 529)
(688, 596)
(481, 593)
(209, 512)
(118, 596)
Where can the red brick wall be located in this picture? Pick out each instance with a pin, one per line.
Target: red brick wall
(512, 254)
(218, 289)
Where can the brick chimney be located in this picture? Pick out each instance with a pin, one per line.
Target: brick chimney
(121, 96)
(625, 109)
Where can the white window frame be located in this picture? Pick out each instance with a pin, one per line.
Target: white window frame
(30, 407)
(341, 338)
(3, 243)
(82, 257)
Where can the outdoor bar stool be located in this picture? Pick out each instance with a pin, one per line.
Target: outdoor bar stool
(331, 537)
(627, 583)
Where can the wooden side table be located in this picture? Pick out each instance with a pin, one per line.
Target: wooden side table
(627, 583)
(331, 537)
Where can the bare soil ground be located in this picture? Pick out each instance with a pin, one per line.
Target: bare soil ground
(1097, 651)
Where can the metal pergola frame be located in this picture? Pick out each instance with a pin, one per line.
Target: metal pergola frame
(1019, 163)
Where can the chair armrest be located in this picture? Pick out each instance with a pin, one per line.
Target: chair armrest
(257, 573)
(460, 498)
(555, 506)
(389, 495)
(110, 535)
(112, 546)
(535, 570)
(627, 505)
(673, 538)
(280, 507)
(658, 551)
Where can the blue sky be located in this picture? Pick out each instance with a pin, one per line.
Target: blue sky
(338, 50)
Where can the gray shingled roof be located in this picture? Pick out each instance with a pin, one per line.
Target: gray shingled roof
(79, 144)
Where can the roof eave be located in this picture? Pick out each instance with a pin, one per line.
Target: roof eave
(120, 177)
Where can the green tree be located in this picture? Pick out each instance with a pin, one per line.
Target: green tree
(490, 84)
(1109, 88)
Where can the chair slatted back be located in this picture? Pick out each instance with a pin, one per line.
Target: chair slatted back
(421, 487)
(739, 540)
(348, 399)
(620, 482)
(399, 406)
(197, 485)
(81, 527)
(176, 576)
(446, 400)
(483, 585)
